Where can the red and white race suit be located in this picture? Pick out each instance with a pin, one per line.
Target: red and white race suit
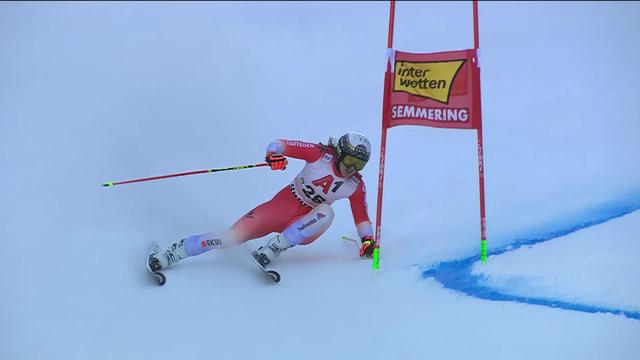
(319, 182)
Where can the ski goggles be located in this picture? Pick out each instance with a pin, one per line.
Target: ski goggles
(353, 162)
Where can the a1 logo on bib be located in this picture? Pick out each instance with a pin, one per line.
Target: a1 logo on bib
(324, 184)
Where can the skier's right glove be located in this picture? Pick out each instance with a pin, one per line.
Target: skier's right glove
(366, 250)
(276, 161)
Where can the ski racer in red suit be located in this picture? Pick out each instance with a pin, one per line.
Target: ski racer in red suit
(301, 211)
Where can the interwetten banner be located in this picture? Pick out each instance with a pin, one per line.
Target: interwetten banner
(436, 89)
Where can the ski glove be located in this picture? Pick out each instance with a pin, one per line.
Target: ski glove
(366, 250)
(276, 161)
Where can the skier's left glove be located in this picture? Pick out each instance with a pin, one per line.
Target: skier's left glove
(276, 161)
(366, 250)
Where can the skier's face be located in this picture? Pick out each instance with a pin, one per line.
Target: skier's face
(354, 162)
(347, 171)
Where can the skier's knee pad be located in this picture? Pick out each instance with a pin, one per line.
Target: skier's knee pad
(309, 227)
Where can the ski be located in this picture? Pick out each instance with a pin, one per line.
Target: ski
(273, 275)
(351, 240)
(153, 269)
(160, 279)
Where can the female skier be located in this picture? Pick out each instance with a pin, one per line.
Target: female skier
(301, 211)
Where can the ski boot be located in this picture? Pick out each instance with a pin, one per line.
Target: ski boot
(165, 258)
(273, 248)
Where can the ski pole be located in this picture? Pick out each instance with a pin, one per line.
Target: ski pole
(114, 183)
(354, 241)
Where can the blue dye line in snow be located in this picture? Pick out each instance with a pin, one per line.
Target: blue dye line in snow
(457, 274)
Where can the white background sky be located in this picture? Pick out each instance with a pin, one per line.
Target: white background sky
(93, 92)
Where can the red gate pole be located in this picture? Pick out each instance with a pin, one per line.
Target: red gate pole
(383, 142)
(476, 45)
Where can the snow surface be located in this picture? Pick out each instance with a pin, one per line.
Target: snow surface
(573, 267)
(96, 92)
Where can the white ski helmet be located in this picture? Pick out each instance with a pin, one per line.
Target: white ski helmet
(353, 149)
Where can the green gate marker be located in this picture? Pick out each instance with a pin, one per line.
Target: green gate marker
(376, 259)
